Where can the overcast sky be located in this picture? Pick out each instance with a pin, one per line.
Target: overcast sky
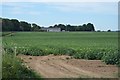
(104, 15)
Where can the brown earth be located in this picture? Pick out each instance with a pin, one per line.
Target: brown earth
(65, 67)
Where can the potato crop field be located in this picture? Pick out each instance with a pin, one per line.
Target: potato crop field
(80, 45)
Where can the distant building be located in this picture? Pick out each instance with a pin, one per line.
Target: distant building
(51, 29)
(54, 30)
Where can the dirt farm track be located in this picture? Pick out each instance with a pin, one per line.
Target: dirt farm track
(66, 67)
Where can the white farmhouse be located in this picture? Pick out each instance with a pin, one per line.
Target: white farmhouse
(53, 29)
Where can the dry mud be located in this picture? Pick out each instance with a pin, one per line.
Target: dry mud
(66, 67)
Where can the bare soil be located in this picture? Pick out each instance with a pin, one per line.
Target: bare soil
(66, 67)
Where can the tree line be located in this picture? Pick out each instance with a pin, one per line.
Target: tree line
(84, 27)
(16, 25)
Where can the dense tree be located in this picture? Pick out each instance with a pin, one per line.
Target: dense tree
(67, 27)
(25, 26)
(90, 27)
(16, 25)
(62, 26)
(35, 27)
(7, 25)
(84, 27)
(50, 27)
(109, 30)
(55, 26)
(80, 28)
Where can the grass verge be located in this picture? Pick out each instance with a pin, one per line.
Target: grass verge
(13, 69)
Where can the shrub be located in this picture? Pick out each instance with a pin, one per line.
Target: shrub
(112, 58)
(77, 56)
(90, 56)
(70, 52)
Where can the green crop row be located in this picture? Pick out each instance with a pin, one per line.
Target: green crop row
(108, 56)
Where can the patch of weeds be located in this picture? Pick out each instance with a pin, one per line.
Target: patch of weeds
(112, 58)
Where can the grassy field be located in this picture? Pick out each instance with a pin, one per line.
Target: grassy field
(87, 45)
